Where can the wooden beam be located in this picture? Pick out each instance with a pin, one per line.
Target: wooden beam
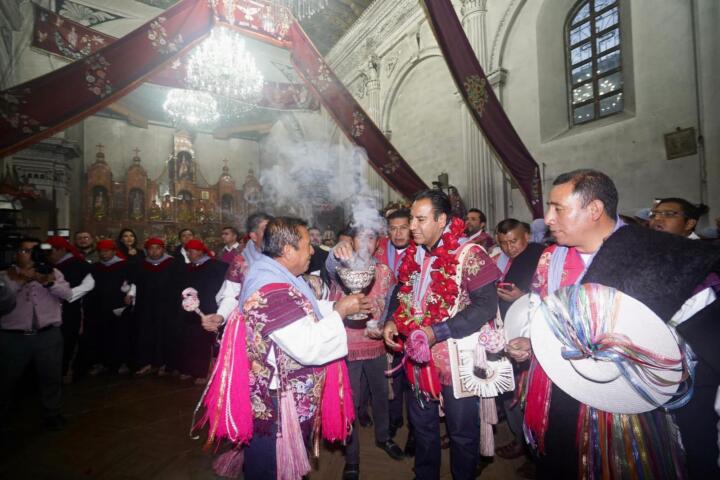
(132, 117)
(223, 133)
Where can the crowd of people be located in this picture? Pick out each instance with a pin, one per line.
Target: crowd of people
(312, 346)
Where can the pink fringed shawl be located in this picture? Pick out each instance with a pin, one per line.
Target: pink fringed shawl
(226, 399)
(337, 408)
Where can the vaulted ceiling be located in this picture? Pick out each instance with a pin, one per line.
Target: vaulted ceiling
(327, 26)
(324, 28)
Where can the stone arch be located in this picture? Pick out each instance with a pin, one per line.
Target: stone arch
(503, 32)
(399, 78)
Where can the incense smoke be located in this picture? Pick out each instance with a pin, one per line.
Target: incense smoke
(310, 172)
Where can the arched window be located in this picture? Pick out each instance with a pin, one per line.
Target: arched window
(594, 60)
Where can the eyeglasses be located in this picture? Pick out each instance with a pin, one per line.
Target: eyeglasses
(24, 250)
(665, 214)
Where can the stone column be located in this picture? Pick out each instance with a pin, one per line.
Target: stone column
(481, 167)
(371, 79)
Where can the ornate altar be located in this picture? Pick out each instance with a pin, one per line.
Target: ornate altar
(179, 198)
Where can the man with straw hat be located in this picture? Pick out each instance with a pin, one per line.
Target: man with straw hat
(662, 272)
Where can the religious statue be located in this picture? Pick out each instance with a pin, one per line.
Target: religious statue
(166, 207)
(100, 203)
(155, 212)
(137, 208)
(184, 166)
(227, 207)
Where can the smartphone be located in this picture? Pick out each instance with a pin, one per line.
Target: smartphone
(506, 286)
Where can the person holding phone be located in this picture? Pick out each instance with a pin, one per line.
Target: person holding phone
(517, 262)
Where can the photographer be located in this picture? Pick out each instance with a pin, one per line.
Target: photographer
(30, 333)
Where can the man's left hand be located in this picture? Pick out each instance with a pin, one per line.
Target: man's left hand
(430, 334)
(510, 295)
(212, 322)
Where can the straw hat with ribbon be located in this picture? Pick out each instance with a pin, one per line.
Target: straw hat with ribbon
(610, 351)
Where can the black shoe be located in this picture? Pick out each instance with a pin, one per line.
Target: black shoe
(392, 449)
(410, 445)
(365, 421)
(55, 423)
(351, 472)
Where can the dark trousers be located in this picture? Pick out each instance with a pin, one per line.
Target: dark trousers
(71, 333)
(374, 371)
(17, 351)
(260, 462)
(514, 415)
(107, 339)
(400, 392)
(463, 427)
(698, 428)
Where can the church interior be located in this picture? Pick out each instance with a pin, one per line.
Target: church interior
(163, 115)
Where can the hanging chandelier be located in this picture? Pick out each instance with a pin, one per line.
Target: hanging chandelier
(221, 65)
(191, 108)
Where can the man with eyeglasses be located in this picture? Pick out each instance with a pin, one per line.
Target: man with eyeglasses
(676, 216)
(30, 333)
(662, 271)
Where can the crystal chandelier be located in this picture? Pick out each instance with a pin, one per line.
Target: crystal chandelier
(190, 107)
(221, 65)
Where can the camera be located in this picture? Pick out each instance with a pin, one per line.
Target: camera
(39, 258)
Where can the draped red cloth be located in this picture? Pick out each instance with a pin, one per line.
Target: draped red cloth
(350, 116)
(48, 104)
(36, 109)
(72, 41)
(482, 102)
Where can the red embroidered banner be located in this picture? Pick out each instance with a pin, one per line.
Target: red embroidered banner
(482, 102)
(73, 41)
(45, 105)
(40, 107)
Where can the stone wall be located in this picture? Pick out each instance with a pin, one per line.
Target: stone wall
(520, 45)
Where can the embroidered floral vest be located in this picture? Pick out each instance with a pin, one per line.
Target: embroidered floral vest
(272, 307)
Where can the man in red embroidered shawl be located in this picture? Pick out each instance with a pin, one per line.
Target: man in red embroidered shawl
(390, 252)
(231, 246)
(428, 293)
(289, 332)
(475, 223)
(594, 246)
(366, 359)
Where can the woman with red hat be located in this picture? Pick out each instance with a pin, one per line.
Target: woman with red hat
(206, 275)
(106, 323)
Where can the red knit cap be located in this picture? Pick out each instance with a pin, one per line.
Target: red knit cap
(106, 245)
(154, 241)
(196, 244)
(62, 242)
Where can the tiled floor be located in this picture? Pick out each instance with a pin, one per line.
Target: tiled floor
(137, 429)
